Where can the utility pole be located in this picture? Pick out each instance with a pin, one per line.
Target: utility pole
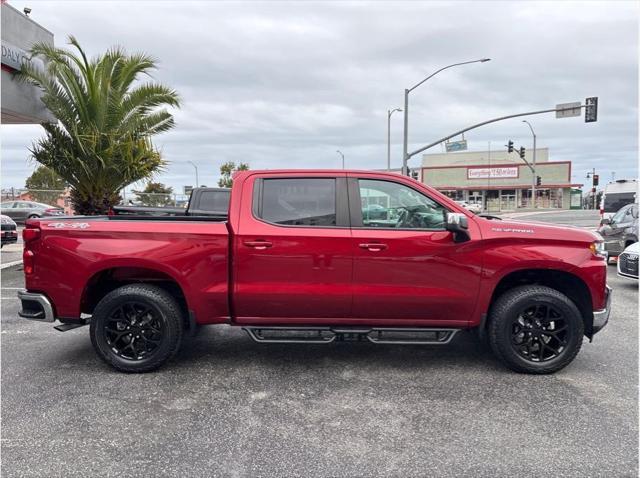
(340, 153)
(405, 142)
(533, 182)
(389, 113)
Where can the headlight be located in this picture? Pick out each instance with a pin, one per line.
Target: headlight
(597, 248)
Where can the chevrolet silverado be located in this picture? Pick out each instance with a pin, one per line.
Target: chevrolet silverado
(315, 257)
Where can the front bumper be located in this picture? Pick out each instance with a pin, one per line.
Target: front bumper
(35, 307)
(601, 317)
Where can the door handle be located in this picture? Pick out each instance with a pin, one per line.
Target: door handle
(259, 245)
(373, 247)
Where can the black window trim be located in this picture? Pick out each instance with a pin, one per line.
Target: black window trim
(341, 202)
(356, 211)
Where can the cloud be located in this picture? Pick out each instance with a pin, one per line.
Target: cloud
(281, 84)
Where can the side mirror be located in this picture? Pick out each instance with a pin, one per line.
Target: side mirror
(605, 222)
(459, 225)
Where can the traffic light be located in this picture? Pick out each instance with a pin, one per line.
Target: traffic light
(596, 179)
(414, 174)
(521, 152)
(591, 110)
(538, 181)
(510, 147)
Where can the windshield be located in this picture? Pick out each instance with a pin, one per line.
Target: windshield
(614, 201)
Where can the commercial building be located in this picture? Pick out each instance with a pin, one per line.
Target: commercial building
(21, 103)
(501, 181)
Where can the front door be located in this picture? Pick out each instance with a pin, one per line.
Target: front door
(292, 252)
(407, 268)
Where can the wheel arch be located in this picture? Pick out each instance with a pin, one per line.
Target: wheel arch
(110, 278)
(564, 282)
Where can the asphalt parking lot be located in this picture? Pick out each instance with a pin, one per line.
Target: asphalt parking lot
(229, 407)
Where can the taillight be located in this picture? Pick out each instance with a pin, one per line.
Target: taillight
(30, 234)
(27, 261)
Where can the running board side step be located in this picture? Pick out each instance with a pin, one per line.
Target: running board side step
(325, 335)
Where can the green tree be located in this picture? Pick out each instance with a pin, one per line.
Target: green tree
(227, 170)
(106, 118)
(45, 185)
(155, 194)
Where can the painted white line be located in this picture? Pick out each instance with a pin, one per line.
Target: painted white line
(8, 298)
(11, 288)
(10, 264)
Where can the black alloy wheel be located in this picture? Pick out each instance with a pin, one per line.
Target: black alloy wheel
(535, 329)
(137, 327)
(133, 331)
(540, 333)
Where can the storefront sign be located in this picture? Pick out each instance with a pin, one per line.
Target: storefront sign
(14, 57)
(486, 173)
(456, 146)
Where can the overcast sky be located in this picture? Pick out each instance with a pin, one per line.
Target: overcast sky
(286, 84)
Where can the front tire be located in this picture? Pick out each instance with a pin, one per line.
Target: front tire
(137, 328)
(535, 329)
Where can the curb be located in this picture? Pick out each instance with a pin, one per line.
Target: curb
(10, 264)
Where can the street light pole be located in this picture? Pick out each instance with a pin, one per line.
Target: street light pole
(389, 113)
(533, 183)
(196, 168)
(340, 153)
(405, 148)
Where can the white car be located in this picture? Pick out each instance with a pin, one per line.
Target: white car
(628, 261)
(473, 207)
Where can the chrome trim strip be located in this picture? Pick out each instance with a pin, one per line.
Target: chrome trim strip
(40, 299)
(601, 317)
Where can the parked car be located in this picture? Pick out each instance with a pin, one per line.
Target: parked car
(9, 230)
(294, 260)
(20, 211)
(628, 262)
(471, 206)
(621, 230)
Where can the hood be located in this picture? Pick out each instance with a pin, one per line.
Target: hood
(633, 248)
(536, 230)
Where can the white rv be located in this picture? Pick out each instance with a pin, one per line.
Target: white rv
(617, 194)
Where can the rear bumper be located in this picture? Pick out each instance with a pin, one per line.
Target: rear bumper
(35, 306)
(601, 317)
(9, 236)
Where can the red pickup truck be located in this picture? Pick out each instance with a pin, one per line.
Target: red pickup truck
(315, 257)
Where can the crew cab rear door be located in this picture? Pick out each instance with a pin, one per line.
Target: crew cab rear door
(407, 268)
(292, 250)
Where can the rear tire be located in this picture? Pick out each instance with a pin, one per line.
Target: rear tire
(535, 329)
(137, 328)
(34, 216)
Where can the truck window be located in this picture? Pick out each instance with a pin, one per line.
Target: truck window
(298, 201)
(216, 201)
(389, 204)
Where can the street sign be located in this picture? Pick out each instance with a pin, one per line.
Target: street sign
(591, 111)
(456, 146)
(568, 110)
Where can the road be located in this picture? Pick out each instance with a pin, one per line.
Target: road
(229, 407)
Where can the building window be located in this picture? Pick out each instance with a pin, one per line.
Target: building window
(455, 194)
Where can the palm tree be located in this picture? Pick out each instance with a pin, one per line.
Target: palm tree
(102, 140)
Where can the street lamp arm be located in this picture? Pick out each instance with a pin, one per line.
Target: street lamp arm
(444, 68)
(457, 133)
(530, 127)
